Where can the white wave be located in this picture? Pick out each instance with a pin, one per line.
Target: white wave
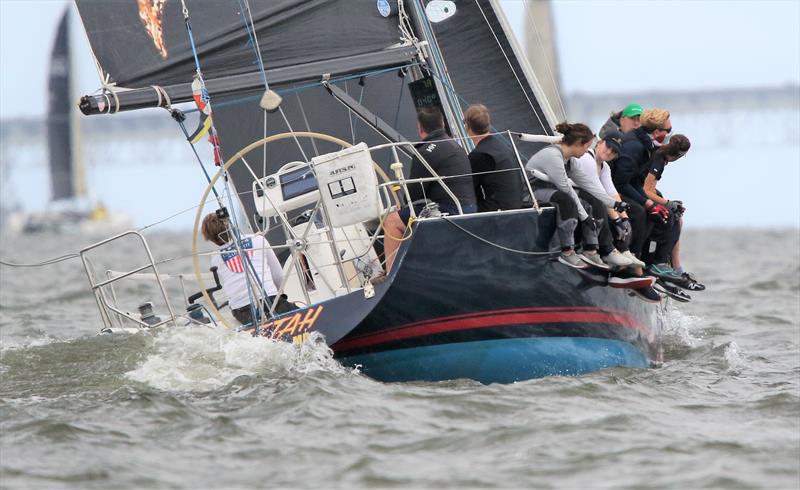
(678, 328)
(733, 356)
(203, 359)
(7, 344)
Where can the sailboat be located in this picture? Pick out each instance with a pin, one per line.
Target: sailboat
(312, 121)
(70, 208)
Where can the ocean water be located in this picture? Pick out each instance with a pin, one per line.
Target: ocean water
(206, 408)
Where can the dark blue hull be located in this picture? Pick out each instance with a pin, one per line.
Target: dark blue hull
(464, 302)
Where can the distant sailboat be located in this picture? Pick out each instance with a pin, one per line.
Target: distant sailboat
(70, 208)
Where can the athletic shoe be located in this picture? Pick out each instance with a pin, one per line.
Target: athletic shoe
(629, 281)
(634, 261)
(673, 292)
(664, 271)
(616, 259)
(592, 258)
(571, 259)
(647, 294)
(693, 285)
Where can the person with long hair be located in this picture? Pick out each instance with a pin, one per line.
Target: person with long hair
(551, 184)
(672, 150)
(252, 254)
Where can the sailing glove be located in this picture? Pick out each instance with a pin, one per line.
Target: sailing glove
(676, 207)
(621, 206)
(622, 228)
(659, 213)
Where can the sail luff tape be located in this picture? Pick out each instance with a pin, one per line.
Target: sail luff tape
(540, 138)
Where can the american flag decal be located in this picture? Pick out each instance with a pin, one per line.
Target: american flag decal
(231, 257)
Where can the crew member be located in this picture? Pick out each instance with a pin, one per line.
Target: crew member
(446, 159)
(637, 148)
(256, 257)
(553, 186)
(494, 166)
(676, 148)
(625, 120)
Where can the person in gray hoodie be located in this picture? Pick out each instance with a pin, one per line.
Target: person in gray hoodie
(551, 184)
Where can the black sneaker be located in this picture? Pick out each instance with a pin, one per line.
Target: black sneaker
(647, 294)
(692, 284)
(673, 292)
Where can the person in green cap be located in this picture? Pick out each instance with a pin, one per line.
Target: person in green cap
(625, 120)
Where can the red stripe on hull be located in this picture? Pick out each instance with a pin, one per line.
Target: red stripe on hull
(494, 319)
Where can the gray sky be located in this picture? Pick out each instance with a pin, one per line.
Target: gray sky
(604, 46)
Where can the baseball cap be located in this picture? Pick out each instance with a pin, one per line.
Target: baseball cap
(614, 141)
(632, 110)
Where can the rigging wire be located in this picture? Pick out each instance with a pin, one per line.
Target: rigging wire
(510, 65)
(546, 61)
(54, 260)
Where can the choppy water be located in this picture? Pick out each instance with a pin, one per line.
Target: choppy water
(200, 408)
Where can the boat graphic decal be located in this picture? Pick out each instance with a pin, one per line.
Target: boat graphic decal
(292, 326)
(521, 316)
(151, 12)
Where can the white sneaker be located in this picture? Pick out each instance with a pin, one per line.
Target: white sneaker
(592, 258)
(634, 261)
(616, 259)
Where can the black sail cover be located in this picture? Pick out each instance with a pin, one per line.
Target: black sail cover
(59, 136)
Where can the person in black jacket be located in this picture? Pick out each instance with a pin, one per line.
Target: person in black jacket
(496, 172)
(447, 159)
(627, 171)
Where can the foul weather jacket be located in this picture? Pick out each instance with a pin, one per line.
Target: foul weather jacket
(636, 149)
(446, 159)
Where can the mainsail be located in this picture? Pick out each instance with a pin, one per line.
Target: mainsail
(292, 45)
(59, 128)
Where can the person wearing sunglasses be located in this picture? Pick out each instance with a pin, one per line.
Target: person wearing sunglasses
(638, 146)
(676, 148)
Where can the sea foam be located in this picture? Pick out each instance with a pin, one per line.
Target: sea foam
(203, 359)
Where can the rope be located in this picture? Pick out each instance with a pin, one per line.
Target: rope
(54, 260)
(496, 245)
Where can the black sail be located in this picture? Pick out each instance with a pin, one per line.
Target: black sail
(138, 44)
(484, 68)
(144, 43)
(59, 130)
